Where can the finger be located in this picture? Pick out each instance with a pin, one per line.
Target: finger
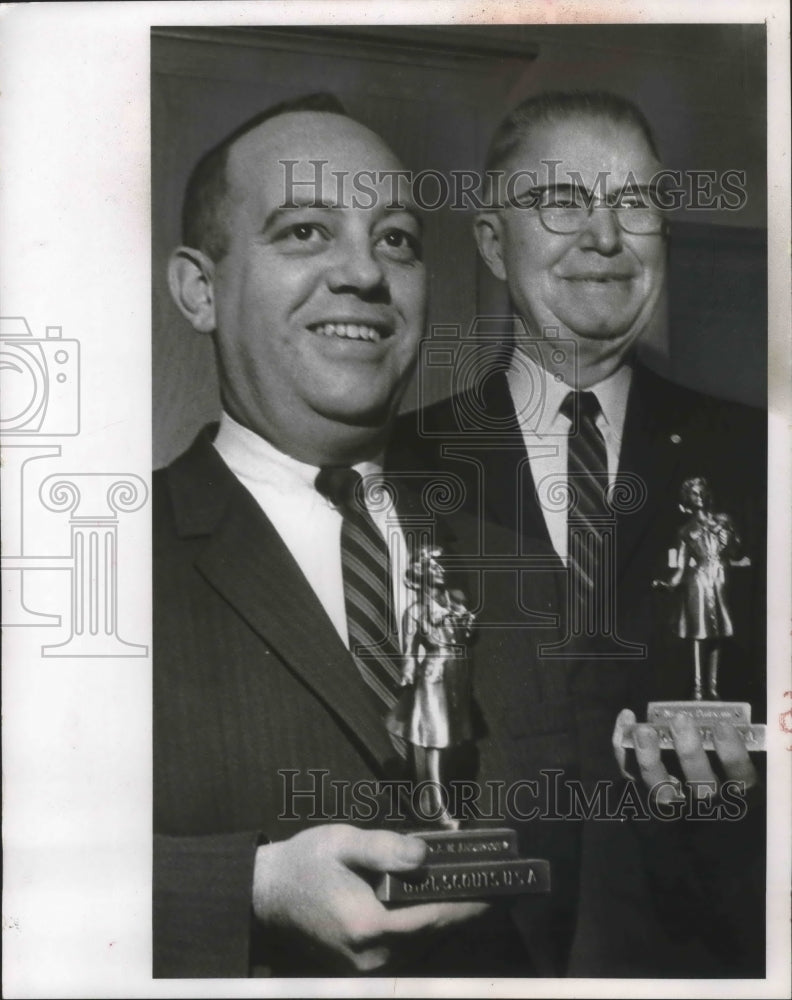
(693, 757)
(732, 753)
(370, 959)
(625, 719)
(381, 850)
(647, 753)
(460, 911)
(364, 917)
(409, 919)
(665, 788)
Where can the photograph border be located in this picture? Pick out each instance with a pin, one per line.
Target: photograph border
(75, 229)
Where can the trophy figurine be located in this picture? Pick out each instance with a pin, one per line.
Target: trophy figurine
(432, 716)
(707, 543)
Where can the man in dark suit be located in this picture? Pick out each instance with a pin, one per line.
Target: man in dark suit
(273, 816)
(576, 233)
(267, 725)
(580, 241)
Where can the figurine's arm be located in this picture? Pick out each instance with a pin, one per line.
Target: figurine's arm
(682, 558)
(468, 618)
(681, 561)
(410, 621)
(729, 536)
(460, 625)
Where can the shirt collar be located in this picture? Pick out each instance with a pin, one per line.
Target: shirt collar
(537, 395)
(252, 457)
(612, 395)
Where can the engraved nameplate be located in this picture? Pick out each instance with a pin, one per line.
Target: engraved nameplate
(469, 845)
(467, 864)
(706, 715)
(467, 880)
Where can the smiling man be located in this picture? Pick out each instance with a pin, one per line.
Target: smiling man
(596, 276)
(315, 310)
(568, 438)
(579, 238)
(278, 594)
(317, 307)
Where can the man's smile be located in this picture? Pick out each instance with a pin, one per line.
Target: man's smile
(600, 277)
(352, 331)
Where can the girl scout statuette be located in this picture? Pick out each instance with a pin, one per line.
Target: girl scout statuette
(434, 711)
(433, 715)
(706, 544)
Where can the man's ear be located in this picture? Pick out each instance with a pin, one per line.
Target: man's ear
(488, 228)
(191, 283)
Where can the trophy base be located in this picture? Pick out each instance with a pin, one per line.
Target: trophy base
(706, 714)
(467, 864)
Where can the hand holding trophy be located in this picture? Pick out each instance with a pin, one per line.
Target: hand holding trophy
(433, 716)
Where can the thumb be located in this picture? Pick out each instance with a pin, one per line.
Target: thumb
(625, 720)
(382, 851)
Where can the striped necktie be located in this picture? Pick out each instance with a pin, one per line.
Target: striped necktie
(368, 590)
(588, 514)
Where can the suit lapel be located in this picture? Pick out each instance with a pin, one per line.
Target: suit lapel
(247, 562)
(651, 452)
(509, 490)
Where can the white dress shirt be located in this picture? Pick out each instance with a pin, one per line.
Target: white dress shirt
(306, 521)
(537, 398)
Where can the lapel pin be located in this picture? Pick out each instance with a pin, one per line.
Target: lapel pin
(675, 439)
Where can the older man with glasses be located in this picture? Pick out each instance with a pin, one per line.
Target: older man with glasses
(571, 439)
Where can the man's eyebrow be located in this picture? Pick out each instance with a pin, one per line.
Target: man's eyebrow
(406, 210)
(295, 206)
(577, 185)
(537, 189)
(283, 211)
(628, 187)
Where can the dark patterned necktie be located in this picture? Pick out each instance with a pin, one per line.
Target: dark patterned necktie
(588, 514)
(368, 590)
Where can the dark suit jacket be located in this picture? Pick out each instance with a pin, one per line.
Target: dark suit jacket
(251, 678)
(661, 887)
(671, 433)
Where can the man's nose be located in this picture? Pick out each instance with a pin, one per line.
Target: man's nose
(602, 231)
(357, 269)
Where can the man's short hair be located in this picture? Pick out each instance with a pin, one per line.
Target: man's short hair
(555, 106)
(203, 221)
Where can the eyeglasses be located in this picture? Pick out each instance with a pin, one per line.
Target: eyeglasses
(567, 208)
